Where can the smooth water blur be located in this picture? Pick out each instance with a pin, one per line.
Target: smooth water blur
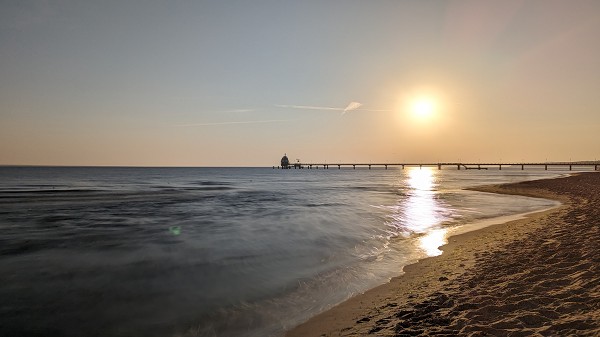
(218, 251)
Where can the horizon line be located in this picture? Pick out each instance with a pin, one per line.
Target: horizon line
(578, 162)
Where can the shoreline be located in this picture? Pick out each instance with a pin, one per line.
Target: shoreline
(440, 294)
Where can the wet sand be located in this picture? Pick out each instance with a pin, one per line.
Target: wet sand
(538, 276)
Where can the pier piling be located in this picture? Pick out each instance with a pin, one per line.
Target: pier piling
(440, 165)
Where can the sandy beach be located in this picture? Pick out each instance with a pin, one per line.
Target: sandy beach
(538, 276)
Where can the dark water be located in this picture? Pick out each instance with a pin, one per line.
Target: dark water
(217, 251)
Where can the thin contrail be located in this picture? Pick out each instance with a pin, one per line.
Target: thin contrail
(238, 110)
(238, 122)
(353, 106)
(309, 107)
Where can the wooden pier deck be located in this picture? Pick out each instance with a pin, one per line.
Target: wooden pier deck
(457, 165)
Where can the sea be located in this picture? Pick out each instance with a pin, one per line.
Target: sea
(126, 251)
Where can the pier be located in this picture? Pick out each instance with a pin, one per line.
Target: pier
(456, 165)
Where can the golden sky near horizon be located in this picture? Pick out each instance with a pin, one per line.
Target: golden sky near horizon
(238, 84)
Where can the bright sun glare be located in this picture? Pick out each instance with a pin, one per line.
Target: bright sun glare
(422, 107)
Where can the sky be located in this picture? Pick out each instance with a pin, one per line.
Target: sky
(241, 83)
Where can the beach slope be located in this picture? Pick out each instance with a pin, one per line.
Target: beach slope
(538, 276)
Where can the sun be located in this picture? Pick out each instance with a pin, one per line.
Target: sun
(422, 107)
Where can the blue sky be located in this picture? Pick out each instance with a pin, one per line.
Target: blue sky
(192, 83)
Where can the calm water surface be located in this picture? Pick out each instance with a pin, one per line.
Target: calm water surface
(218, 251)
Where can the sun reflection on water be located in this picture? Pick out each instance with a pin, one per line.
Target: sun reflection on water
(422, 213)
(431, 242)
(421, 204)
(421, 179)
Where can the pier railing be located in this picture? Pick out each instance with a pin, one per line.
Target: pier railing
(457, 165)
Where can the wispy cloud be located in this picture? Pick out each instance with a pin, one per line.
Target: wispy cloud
(352, 106)
(236, 122)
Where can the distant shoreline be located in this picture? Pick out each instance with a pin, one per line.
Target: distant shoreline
(484, 278)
